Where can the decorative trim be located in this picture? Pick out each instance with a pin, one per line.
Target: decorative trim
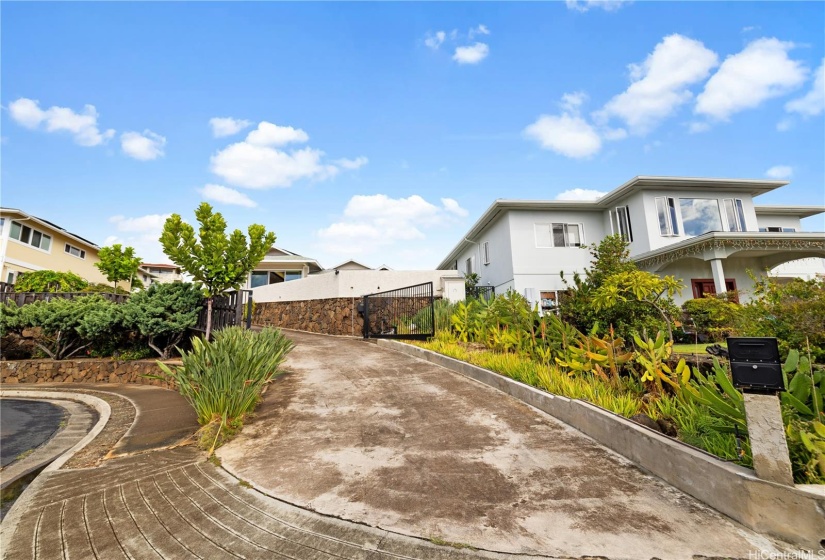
(751, 243)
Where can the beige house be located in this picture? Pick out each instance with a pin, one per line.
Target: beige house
(29, 243)
(159, 274)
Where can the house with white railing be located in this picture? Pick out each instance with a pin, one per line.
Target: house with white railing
(711, 233)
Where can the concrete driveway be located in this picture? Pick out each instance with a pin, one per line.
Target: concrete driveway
(377, 437)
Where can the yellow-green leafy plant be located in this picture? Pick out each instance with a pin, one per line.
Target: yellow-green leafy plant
(652, 355)
(806, 441)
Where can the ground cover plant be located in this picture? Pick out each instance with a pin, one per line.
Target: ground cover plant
(223, 379)
(639, 378)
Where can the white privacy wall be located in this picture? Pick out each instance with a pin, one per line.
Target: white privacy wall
(352, 283)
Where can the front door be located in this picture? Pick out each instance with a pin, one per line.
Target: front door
(705, 286)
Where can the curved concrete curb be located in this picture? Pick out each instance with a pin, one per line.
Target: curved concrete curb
(104, 412)
(796, 514)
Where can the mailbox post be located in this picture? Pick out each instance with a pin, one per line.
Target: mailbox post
(757, 371)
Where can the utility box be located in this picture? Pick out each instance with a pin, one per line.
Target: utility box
(755, 365)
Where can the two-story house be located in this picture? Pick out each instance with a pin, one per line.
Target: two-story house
(707, 232)
(280, 265)
(160, 274)
(29, 243)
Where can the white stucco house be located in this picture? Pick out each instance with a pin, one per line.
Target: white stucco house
(708, 232)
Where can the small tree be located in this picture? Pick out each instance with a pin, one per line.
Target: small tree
(644, 287)
(218, 262)
(118, 264)
(163, 313)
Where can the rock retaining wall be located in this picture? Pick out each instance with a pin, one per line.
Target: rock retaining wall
(86, 370)
(338, 316)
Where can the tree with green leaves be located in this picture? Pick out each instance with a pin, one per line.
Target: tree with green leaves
(218, 262)
(118, 264)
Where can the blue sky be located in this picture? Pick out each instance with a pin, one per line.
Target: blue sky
(381, 131)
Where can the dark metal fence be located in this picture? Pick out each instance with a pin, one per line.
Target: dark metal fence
(232, 309)
(405, 313)
(482, 292)
(24, 298)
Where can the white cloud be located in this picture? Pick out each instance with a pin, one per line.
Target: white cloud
(566, 134)
(660, 83)
(784, 125)
(352, 163)
(269, 134)
(227, 126)
(580, 194)
(142, 233)
(481, 29)
(761, 71)
(372, 222)
(780, 172)
(151, 223)
(83, 126)
(262, 167)
(606, 5)
(145, 147)
(813, 102)
(258, 163)
(472, 54)
(435, 40)
(696, 127)
(219, 193)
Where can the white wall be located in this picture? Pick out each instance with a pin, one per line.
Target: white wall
(779, 220)
(807, 269)
(351, 283)
(500, 270)
(735, 268)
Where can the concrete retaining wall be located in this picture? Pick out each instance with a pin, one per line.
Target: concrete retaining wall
(793, 514)
(86, 370)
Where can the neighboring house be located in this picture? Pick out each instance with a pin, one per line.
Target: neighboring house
(352, 264)
(29, 243)
(807, 269)
(160, 274)
(707, 232)
(280, 265)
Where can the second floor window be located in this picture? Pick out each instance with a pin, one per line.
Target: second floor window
(566, 235)
(468, 265)
(700, 215)
(735, 213)
(620, 221)
(29, 236)
(485, 252)
(666, 209)
(72, 250)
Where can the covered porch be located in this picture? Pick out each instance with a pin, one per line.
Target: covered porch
(720, 262)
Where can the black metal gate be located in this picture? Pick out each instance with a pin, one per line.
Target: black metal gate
(228, 310)
(403, 313)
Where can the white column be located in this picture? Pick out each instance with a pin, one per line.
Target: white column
(718, 275)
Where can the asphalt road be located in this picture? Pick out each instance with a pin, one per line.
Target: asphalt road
(25, 425)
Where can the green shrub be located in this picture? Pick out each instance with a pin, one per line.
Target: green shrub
(163, 313)
(715, 317)
(50, 281)
(223, 379)
(793, 312)
(97, 287)
(63, 327)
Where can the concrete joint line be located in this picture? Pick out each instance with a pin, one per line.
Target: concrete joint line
(9, 524)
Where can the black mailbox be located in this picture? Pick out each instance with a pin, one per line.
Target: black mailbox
(755, 365)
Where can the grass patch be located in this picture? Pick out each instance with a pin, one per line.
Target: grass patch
(459, 545)
(696, 348)
(245, 484)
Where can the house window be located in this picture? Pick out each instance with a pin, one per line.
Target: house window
(735, 214)
(292, 275)
(29, 236)
(777, 229)
(666, 208)
(10, 278)
(468, 265)
(620, 220)
(74, 251)
(485, 252)
(700, 215)
(259, 278)
(566, 235)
